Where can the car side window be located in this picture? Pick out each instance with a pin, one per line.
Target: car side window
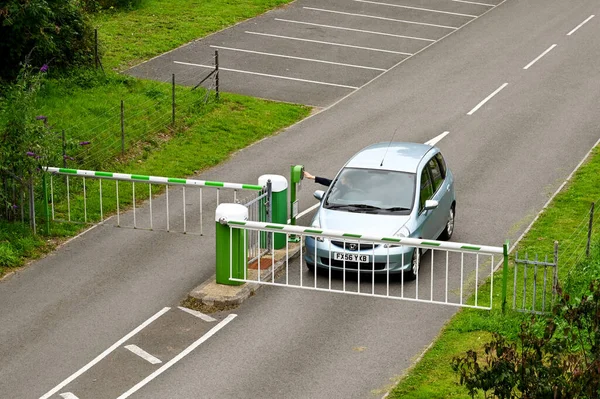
(426, 191)
(440, 159)
(436, 173)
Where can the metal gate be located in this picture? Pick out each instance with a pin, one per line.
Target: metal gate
(448, 273)
(133, 201)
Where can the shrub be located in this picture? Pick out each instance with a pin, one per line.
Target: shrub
(8, 257)
(49, 31)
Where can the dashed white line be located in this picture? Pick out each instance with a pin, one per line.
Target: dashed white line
(471, 112)
(473, 2)
(328, 43)
(104, 354)
(539, 56)
(437, 139)
(381, 18)
(200, 315)
(143, 354)
(580, 25)
(177, 358)
(354, 30)
(68, 395)
(267, 75)
(415, 8)
(298, 58)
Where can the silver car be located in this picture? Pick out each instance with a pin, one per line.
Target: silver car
(386, 189)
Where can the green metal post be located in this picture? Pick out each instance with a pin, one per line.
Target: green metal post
(279, 188)
(46, 211)
(230, 244)
(504, 275)
(296, 176)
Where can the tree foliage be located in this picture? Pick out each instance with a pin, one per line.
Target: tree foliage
(557, 357)
(54, 32)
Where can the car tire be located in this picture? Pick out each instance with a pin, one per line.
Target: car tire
(449, 229)
(415, 261)
(310, 266)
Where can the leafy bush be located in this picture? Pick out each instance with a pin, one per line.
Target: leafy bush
(557, 357)
(56, 32)
(8, 257)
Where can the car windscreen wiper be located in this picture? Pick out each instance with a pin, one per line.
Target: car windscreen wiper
(364, 206)
(396, 209)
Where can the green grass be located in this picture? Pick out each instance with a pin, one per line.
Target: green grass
(432, 377)
(130, 36)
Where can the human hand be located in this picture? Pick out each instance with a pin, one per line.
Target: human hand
(308, 176)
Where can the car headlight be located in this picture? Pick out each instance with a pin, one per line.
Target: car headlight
(403, 232)
(315, 223)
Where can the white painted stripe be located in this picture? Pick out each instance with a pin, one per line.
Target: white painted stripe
(200, 315)
(297, 58)
(315, 206)
(354, 30)
(381, 18)
(143, 354)
(539, 56)
(415, 8)
(437, 139)
(471, 112)
(68, 395)
(104, 354)
(267, 75)
(180, 356)
(328, 43)
(580, 25)
(474, 2)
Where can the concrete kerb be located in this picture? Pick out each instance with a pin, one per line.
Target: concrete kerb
(210, 297)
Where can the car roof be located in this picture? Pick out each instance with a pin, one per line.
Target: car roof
(396, 156)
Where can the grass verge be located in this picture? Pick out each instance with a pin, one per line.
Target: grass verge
(564, 220)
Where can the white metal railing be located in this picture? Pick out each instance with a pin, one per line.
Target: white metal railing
(91, 197)
(449, 273)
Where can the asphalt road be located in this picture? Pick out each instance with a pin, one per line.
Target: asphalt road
(508, 154)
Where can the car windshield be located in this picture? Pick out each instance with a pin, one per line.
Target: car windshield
(369, 190)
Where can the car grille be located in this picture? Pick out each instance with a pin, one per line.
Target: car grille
(367, 266)
(354, 246)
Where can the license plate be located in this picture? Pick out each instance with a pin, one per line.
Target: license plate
(351, 257)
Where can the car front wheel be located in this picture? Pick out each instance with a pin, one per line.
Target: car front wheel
(447, 233)
(412, 273)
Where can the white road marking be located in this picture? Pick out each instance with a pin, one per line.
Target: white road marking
(68, 395)
(304, 212)
(580, 25)
(381, 18)
(143, 354)
(328, 43)
(471, 112)
(177, 358)
(104, 354)
(437, 139)
(200, 315)
(415, 8)
(354, 30)
(539, 56)
(297, 58)
(474, 2)
(267, 75)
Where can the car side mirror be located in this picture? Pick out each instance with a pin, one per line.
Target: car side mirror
(319, 194)
(430, 204)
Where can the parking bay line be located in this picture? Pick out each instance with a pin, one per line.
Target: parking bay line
(380, 18)
(580, 25)
(485, 100)
(474, 2)
(539, 56)
(68, 395)
(437, 139)
(177, 358)
(268, 75)
(298, 58)
(143, 354)
(105, 353)
(329, 43)
(354, 30)
(415, 8)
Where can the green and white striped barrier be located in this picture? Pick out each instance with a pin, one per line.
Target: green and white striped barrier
(152, 179)
(413, 242)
